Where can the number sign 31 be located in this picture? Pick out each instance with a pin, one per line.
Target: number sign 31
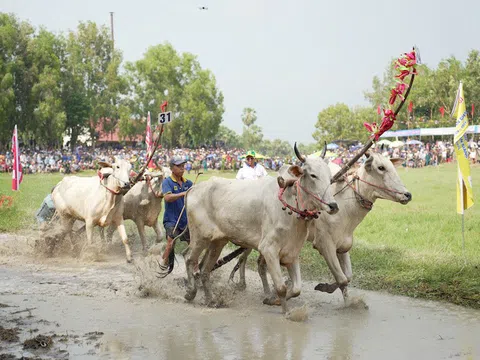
(165, 117)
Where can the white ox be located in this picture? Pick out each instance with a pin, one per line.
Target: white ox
(96, 200)
(376, 179)
(249, 214)
(143, 204)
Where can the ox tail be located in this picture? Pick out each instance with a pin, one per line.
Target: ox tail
(228, 258)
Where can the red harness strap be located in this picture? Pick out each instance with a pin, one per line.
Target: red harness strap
(304, 214)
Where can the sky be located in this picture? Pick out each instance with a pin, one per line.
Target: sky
(286, 59)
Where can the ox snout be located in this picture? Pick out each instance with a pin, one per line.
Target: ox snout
(332, 208)
(126, 186)
(407, 197)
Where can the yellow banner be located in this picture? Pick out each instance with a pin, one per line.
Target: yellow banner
(464, 180)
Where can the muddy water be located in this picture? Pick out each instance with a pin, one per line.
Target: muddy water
(134, 315)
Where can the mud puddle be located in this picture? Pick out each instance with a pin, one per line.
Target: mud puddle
(112, 310)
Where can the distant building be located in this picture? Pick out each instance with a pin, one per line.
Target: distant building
(104, 136)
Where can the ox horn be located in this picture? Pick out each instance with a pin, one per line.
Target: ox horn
(324, 152)
(299, 156)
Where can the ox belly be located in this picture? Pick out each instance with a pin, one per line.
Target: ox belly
(85, 199)
(246, 213)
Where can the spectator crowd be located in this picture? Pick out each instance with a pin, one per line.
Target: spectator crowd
(33, 161)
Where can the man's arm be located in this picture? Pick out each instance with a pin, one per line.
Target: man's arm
(174, 197)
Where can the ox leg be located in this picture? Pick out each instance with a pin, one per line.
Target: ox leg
(242, 262)
(262, 271)
(158, 232)
(110, 231)
(330, 254)
(190, 262)
(346, 265)
(141, 232)
(273, 264)
(295, 276)
(101, 231)
(210, 259)
(89, 231)
(242, 285)
(123, 236)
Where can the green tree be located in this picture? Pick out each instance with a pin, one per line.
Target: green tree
(472, 80)
(339, 122)
(229, 137)
(192, 94)
(252, 133)
(16, 106)
(49, 115)
(93, 64)
(275, 148)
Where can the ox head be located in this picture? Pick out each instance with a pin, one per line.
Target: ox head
(116, 174)
(385, 182)
(155, 178)
(314, 178)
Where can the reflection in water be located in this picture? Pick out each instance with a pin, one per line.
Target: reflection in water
(214, 337)
(393, 327)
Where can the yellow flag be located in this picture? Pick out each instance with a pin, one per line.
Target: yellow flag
(464, 180)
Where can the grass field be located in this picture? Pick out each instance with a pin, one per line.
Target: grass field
(413, 250)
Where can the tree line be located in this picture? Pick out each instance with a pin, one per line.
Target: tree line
(52, 84)
(429, 104)
(55, 84)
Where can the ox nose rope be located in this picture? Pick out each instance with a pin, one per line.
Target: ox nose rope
(362, 200)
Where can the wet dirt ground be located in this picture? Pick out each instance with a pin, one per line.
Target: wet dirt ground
(65, 307)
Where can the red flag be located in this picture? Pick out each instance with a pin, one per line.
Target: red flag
(379, 110)
(442, 111)
(164, 106)
(149, 141)
(473, 109)
(17, 174)
(410, 107)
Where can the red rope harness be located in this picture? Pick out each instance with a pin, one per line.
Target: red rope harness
(304, 214)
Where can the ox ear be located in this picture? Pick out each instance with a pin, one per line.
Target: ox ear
(104, 164)
(106, 171)
(295, 170)
(396, 161)
(282, 183)
(368, 162)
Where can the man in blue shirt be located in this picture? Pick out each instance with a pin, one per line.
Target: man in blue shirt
(174, 189)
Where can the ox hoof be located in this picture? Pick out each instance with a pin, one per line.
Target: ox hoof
(214, 305)
(129, 261)
(240, 286)
(324, 287)
(190, 295)
(273, 300)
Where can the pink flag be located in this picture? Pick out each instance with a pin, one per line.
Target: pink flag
(17, 175)
(149, 141)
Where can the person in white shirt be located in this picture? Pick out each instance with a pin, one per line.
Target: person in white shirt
(251, 170)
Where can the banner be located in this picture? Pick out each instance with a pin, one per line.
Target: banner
(17, 174)
(149, 142)
(464, 181)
